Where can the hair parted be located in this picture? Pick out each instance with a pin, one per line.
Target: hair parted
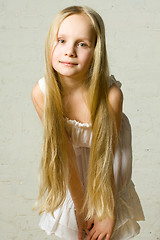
(54, 168)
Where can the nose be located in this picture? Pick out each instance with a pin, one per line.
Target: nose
(70, 50)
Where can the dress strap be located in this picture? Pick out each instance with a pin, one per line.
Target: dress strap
(42, 84)
(114, 81)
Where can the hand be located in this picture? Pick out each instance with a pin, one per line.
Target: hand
(82, 225)
(100, 229)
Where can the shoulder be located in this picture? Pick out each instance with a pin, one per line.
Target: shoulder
(37, 93)
(115, 100)
(115, 97)
(37, 96)
(38, 90)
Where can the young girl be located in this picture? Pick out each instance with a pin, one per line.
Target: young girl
(85, 178)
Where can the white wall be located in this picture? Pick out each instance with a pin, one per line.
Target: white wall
(133, 40)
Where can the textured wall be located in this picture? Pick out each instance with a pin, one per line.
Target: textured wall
(133, 37)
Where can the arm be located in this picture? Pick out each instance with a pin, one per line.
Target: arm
(38, 100)
(115, 98)
(77, 192)
(105, 227)
(75, 185)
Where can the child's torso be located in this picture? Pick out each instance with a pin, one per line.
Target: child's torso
(76, 108)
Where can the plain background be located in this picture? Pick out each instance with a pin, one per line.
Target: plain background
(133, 44)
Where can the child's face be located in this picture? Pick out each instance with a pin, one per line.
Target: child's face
(74, 49)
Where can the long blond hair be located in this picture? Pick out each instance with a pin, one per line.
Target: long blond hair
(54, 168)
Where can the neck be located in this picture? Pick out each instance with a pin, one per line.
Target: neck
(72, 85)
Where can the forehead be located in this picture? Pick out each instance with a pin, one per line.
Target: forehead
(77, 25)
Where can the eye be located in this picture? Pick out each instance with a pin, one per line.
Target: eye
(60, 40)
(82, 44)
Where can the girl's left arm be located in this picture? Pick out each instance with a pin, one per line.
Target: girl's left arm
(115, 98)
(105, 227)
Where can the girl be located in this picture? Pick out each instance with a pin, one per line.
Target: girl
(85, 171)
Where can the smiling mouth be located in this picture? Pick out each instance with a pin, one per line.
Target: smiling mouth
(68, 63)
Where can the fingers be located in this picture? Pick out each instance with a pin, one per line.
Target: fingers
(108, 237)
(102, 237)
(90, 234)
(95, 236)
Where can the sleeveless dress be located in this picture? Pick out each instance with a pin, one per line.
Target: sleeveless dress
(128, 206)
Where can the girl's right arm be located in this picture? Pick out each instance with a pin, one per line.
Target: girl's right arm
(77, 191)
(38, 100)
(75, 184)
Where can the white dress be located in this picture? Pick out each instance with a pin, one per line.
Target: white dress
(128, 206)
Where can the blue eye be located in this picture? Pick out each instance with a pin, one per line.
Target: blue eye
(60, 40)
(81, 44)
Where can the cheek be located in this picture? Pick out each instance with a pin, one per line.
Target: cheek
(87, 58)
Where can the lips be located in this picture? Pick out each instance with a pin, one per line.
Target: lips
(68, 63)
